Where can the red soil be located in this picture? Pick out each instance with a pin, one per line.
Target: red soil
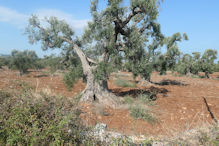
(39, 80)
(179, 107)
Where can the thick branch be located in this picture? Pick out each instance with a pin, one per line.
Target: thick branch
(84, 59)
(131, 15)
(91, 60)
(119, 24)
(120, 46)
(141, 30)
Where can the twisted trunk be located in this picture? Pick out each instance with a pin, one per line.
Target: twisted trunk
(94, 91)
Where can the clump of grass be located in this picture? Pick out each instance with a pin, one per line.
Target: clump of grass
(202, 77)
(124, 83)
(201, 135)
(195, 76)
(137, 107)
(127, 141)
(207, 139)
(146, 99)
(139, 112)
(128, 100)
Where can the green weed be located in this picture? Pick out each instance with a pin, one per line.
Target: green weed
(124, 83)
(139, 112)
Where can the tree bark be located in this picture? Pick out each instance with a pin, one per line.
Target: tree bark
(207, 74)
(188, 72)
(94, 91)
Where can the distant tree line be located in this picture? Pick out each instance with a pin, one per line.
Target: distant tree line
(27, 59)
(192, 64)
(173, 60)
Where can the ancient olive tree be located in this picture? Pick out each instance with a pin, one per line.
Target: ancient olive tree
(116, 34)
(23, 60)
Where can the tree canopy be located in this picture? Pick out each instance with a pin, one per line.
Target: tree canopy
(118, 36)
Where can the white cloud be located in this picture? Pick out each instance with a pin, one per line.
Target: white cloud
(8, 15)
(11, 16)
(76, 24)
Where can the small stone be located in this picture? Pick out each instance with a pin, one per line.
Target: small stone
(184, 108)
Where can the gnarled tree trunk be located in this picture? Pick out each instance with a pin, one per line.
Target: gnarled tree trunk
(94, 91)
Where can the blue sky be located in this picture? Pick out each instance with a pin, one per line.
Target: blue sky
(198, 18)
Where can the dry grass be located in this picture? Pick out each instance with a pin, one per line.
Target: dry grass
(193, 133)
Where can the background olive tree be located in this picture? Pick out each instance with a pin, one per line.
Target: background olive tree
(5, 60)
(23, 60)
(207, 62)
(169, 59)
(189, 64)
(195, 63)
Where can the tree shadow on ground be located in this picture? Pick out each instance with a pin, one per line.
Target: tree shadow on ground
(32, 70)
(40, 76)
(170, 82)
(152, 92)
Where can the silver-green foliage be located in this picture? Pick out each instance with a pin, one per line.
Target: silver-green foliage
(196, 63)
(168, 60)
(125, 34)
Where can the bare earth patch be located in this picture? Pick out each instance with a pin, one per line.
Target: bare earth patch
(179, 105)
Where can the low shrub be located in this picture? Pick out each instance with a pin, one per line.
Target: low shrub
(127, 100)
(72, 77)
(39, 120)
